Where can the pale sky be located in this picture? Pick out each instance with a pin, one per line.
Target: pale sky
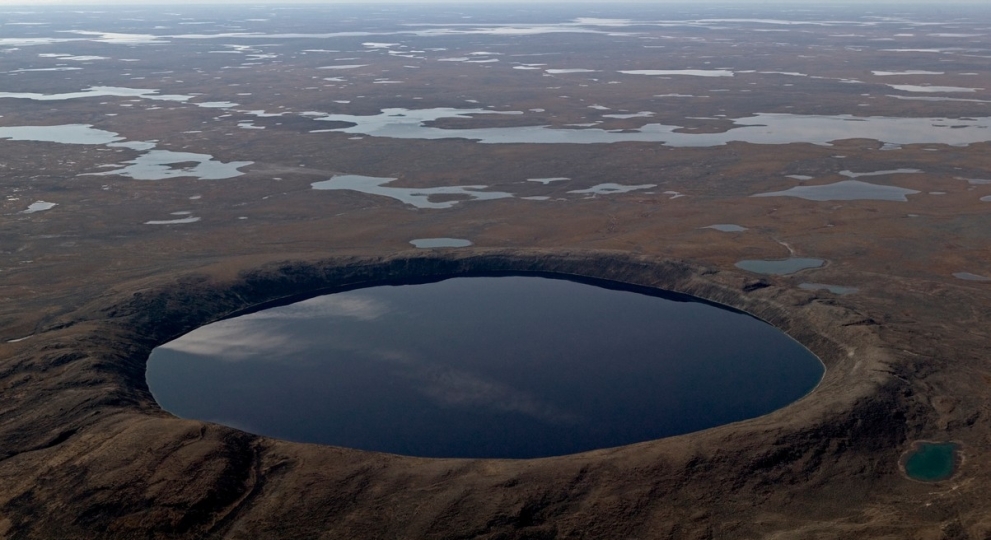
(755, 3)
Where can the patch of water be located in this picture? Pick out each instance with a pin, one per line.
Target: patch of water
(846, 190)
(921, 50)
(938, 98)
(967, 276)
(566, 71)
(482, 367)
(99, 91)
(139, 146)
(835, 289)
(345, 66)
(930, 461)
(29, 70)
(610, 188)
(906, 72)
(851, 174)
(546, 181)
(215, 104)
(190, 219)
(976, 181)
(74, 58)
(928, 88)
(427, 243)
(417, 197)
(641, 114)
(63, 134)
(689, 72)
(762, 128)
(32, 41)
(779, 267)
(39, 206)
(725, 227)
(158, 165)
(118, 38)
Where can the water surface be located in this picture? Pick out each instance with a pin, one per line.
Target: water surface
(852, 174)
(417, 197)
(761, 128)
(165, 164)
(177, 221)
(725, 227)
(547, 181)
(610, 188)
(689, 72)
(780, 266)
(835, 289)
(98, 91)
(151, 165)
(39, 206)
(63, 134)
(970, 277)
(427, 243)
(931, 462)
(482, 367)
(845, 190)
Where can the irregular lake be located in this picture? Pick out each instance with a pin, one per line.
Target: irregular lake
(418, 197)
(931, 462)
(846, 190)
(63, 134)
(761, 128)
(510, 367)
(970, 277)
(165, 164)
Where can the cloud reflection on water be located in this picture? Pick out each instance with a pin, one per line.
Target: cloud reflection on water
(453, 387)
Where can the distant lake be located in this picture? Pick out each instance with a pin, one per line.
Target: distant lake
(512, 367)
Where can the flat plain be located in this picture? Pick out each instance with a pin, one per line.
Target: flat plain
(165, 168)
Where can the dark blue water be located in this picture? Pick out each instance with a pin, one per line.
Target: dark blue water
(482, 367)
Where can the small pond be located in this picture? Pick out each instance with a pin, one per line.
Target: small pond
(428, 243)
(510, 367)
(931, 462)
(780, 267)
(726, 227)
(835, 289)
(967, 276)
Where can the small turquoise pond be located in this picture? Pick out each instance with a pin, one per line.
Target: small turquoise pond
(932, 462)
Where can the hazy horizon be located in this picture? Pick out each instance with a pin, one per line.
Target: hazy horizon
(755, 3)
